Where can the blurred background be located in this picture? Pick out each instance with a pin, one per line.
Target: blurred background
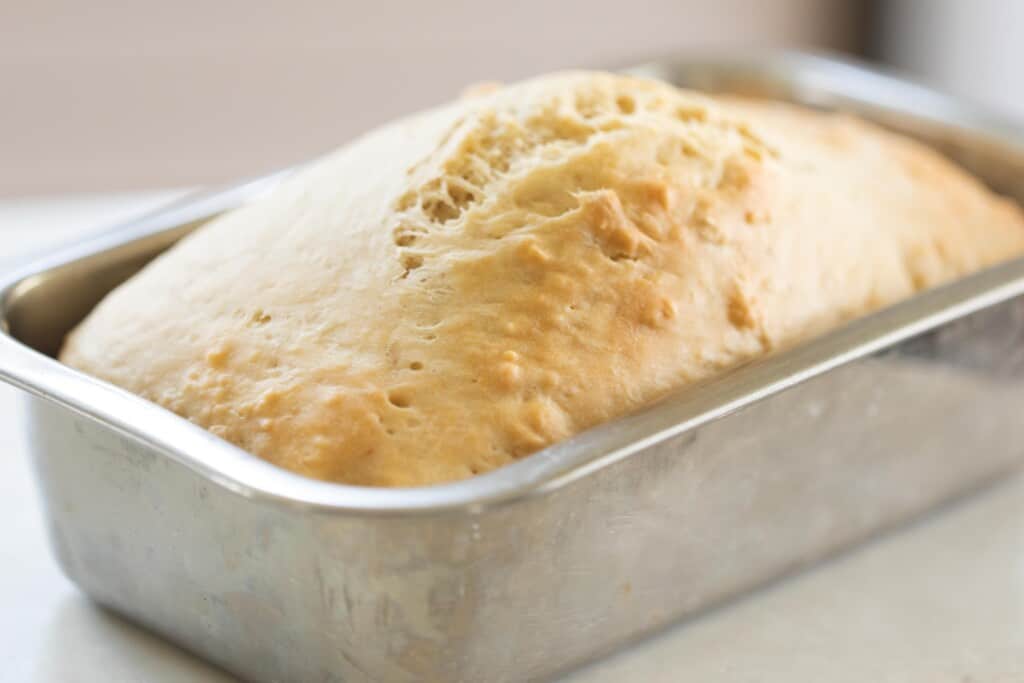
(119, 95)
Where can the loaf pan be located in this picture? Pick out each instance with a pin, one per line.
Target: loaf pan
(527, 571)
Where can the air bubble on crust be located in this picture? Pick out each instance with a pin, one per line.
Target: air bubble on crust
(399, 399)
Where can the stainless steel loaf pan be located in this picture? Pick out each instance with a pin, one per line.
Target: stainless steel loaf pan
(530, 570)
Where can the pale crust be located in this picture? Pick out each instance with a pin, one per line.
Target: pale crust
(464, 287)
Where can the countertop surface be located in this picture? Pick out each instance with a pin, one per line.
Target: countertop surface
(939, 600)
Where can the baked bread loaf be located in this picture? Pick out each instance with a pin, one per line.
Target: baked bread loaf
(461, 288)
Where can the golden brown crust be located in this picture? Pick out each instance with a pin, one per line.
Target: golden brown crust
(464, 287)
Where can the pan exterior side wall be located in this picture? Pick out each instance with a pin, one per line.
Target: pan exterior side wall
(273, 592)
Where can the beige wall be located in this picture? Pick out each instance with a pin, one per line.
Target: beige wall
(120, 94)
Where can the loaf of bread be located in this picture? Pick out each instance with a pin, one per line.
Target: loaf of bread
(461, 288)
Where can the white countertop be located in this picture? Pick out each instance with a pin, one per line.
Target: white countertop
(940, 601)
